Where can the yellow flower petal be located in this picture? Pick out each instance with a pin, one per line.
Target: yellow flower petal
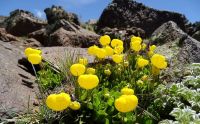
(117, 58)
(29, 51)
(105, 40)
(75, 105)
(58, 102)
(159, 61)
(34, 59)
(83, 61)
(88, 81)
(127, 91)
(90, 71)
(142, 62)
(126, 103)
(77, 69)
(116, 42)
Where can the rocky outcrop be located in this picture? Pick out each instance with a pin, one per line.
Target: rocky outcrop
(129, 13)
(179, 48)
(2, 19)
(65, 33)
(56, 13)
(18, 87)
(21, 23)
(40, 35)
(78, 38)
(196, 35)
(4, 36)
(18, 41)
(55, 55)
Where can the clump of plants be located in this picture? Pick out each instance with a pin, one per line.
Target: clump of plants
(116, 88)
(180, 102)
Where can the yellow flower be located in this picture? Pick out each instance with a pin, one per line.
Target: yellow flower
(127, 91)
(136, 39)
(109, 51)
(159, 61)
(90, 71)
(107, 72)
(116, 42)
(136, 45)
(140, 83)
(88, 81)
(142, 62)
(126, 63)
(117, 58)
(118, 49)
(152, 48)
(34, 59)
(144, 46)
(101, 53)
(83, 61)
(144, 77)
(92, 50)
(75, 105)
(58, 102)
(107, 95)
(126, 103)
(150, 53)
(105, 40)
(77, 69)
(29, 51)
(155, 71)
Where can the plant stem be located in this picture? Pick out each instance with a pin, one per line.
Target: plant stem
(35, 72)
(39, 86)
(123, 118)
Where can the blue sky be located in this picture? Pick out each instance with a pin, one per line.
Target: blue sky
(92, 9)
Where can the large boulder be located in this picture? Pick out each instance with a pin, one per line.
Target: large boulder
(41, 35)
(25, 42)
(4, 36)
(2, 19)
(65, 33)
(129, 13)
(57, 55)
(56, 13)
(21, 23)
(196, 35)
(17, 85)
(78, 38)
(179, 48)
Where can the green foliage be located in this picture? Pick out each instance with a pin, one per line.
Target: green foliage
(179, 99)
(48, 78)
(183, 116)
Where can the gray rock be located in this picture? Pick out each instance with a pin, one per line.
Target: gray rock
(56, 13)
(196, 35)
(17, 41)
(65, 33)
(129, 13)
(40, 35)
(6, 37)
(21, 23)
(2, 19)
(179, 48)
(58, 55)
(79, 38)
(17, 80)
(18, 87)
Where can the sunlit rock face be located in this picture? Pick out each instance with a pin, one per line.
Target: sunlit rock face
(21, 23)
(129, 13)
